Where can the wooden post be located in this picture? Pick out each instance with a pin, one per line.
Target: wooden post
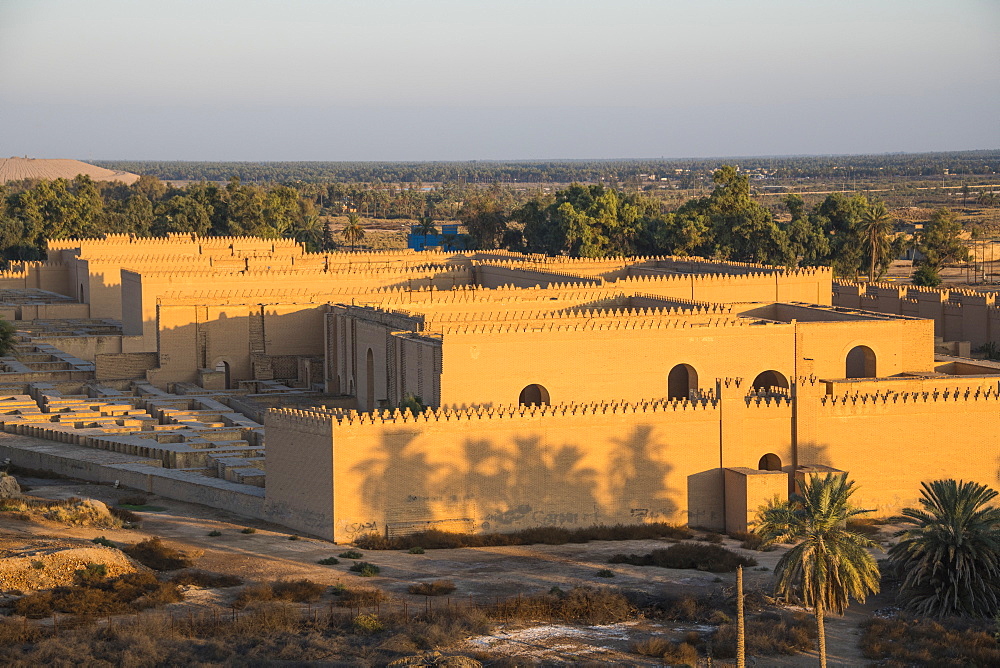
(741, 659)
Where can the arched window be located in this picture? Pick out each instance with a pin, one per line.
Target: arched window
(534, 395)
(370, 381)
(861, 363)
(769, 462)
(768, 379)
(681, 380)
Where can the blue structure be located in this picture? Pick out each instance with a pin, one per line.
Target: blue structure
(449, 239)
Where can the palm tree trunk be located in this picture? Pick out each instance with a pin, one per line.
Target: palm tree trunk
(821, 628)
(871, 271)
(741, 652)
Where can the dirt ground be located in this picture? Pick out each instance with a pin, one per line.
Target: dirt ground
(480, 574)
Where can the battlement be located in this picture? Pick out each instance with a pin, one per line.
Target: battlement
(348, 418)
(592, 324)
(943, 396)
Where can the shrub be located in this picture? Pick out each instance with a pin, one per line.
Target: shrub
(435, 588)
(605, 573)
(584, 605)
(752, 541)
(866, 526)
(101, 540)
(92, 573)
(329, 561)
(205, 579)
(435, 539)
(903, 641)
(37, 564)
(768, 634)
(712, 537)
(365, 569)
(351, 597)
(366, 623)
(350, 554)
(253, 594)
(675, 654)
(125, 516)
(135, 500)
(712, 558)
(214, 533)
(248, 530)
(293, 537)
(154, 554)
(297, 591)
(100, 596)
(416, 550)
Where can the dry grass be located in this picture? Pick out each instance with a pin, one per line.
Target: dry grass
(582, 605)
(207, 580)
(292, 591)
(702, 557)
(98, 596)
(358, 597)
(154, 554)
(436, 540)
(673, 653)
(908, 642)
(751, 541)
(867, 526)
(435, 588)
(768, 634)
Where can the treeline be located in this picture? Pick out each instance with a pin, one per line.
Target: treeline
(31, 213)
(852, 233)
(681, 172)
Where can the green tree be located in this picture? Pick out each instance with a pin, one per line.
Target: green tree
(949, 555)
(485, 219)
(7, 337)
(840, 218)
(742, 228)
(939, 241)
(877, 233)
(181, 215)
(830, 564)
(926, 276)
(353, 233)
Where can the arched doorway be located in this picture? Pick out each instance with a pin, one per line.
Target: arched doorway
(370, 381)
(681, 380)
(768, 379)
(769, 462)
(224, 367)
(534, 395)
(861, 363)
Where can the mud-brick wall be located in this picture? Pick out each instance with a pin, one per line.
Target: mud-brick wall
(124, 366)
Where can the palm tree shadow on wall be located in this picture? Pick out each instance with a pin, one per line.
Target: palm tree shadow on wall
(398, 479)
(532, 483)
(637, 479)
(525, 483)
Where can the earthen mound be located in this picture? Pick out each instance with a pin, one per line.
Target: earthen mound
(44, 569)
(15, 169)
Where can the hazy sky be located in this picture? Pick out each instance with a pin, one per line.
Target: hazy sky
(477, 79)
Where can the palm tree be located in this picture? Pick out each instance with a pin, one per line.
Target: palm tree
(950, 555)
(353, 233)
(831, 564)
(310, 231)
(425, 227)
(876, 231)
